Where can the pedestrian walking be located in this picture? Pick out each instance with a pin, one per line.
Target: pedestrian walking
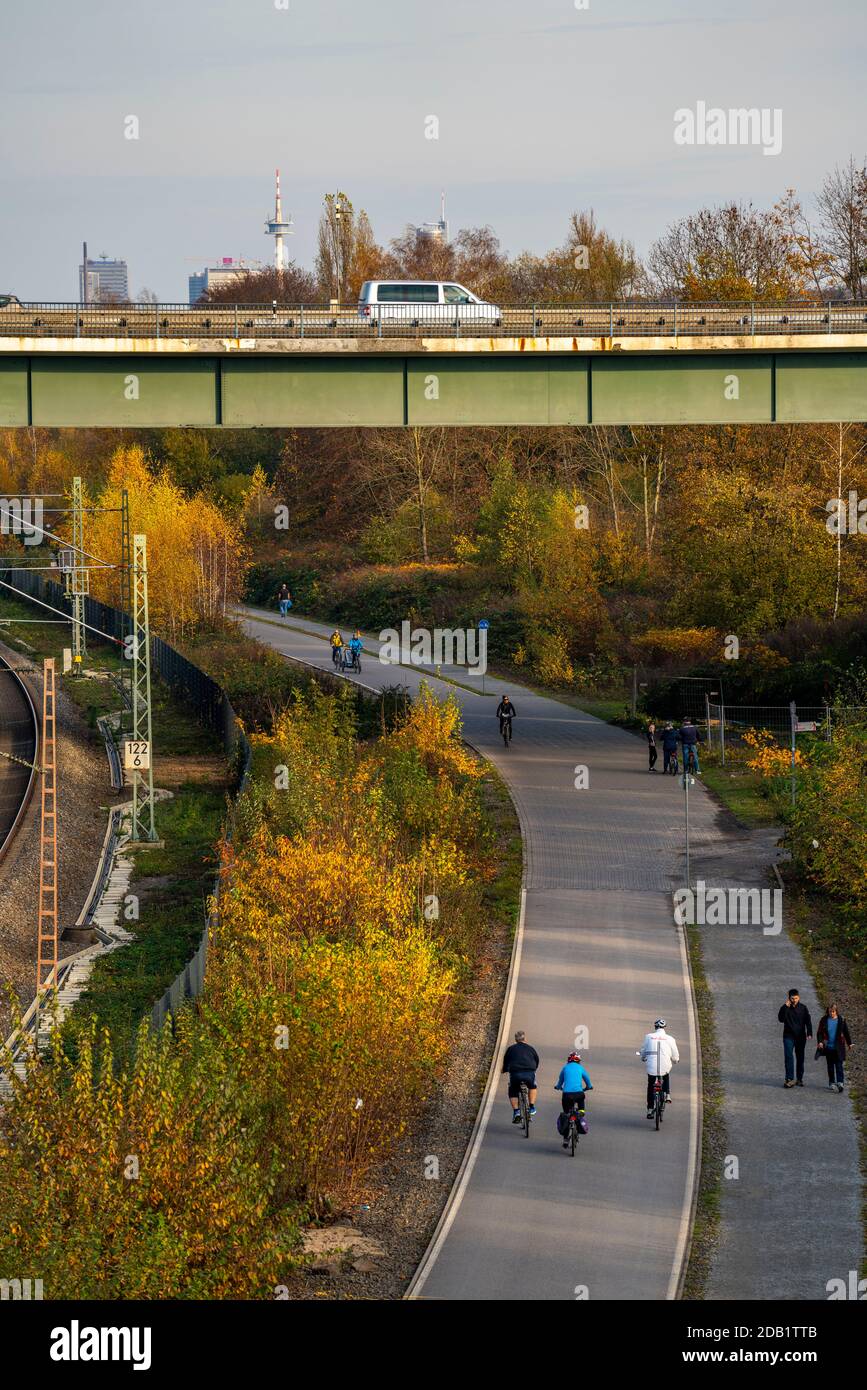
(833, 1041)
(669, 748)
(284, 599)
(651, 745)
(797, 1029)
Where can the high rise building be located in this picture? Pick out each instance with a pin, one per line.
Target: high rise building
(435, 231)
(107, 281)
(214, 276)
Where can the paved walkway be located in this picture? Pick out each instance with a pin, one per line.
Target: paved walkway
(790, 1219)
(600, 952)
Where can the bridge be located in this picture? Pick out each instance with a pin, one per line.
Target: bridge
(249, 366)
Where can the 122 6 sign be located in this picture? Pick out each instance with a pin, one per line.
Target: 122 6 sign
(136, 755)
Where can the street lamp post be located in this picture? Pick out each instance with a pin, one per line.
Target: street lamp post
(338, 217)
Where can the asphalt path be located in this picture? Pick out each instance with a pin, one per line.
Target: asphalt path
(598, 957)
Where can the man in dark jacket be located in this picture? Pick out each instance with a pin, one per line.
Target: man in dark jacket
(521, 1061)
(797, 1029)
(689, 738)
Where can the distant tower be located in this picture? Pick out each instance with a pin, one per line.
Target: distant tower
(435, 231)
(277, 228)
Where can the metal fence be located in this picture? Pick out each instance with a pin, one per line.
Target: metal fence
(727, 725)
(297, 321)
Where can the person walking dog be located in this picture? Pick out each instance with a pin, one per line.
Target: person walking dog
(833, 1041)
(797, 1029)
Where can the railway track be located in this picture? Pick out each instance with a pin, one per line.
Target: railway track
(19, 741)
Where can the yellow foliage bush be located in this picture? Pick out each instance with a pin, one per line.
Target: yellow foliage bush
(767, 757)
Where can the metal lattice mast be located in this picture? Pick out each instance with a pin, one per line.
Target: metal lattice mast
(46, 968)
(78, 579)
(125, 589)
(142, 783)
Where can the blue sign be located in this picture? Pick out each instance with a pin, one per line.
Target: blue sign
(484, 623)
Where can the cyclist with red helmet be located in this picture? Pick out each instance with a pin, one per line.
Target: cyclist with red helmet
(573, 1081)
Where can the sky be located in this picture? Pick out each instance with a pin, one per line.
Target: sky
(542, 108)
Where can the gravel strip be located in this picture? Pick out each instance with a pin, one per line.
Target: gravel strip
(84, 790)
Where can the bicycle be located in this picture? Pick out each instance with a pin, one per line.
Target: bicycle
(336, 655)
(524, 1107)
(506, 728)
(658, 1101)
(573, 1133)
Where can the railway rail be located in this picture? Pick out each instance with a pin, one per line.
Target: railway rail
(19, 742)
(233, 321)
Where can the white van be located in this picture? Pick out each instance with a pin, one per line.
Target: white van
(423, 301)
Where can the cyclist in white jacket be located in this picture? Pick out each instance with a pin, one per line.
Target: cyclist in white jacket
(658, 1053)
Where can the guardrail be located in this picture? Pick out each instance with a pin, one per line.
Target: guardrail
(290, 321)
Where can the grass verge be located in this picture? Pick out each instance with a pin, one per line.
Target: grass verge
(705, 1231)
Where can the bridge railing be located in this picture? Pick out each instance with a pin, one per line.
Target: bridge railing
(296, 321)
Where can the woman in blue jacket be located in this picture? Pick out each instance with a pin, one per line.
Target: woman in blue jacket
(573, 1081)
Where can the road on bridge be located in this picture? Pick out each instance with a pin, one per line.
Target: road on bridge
(598, 951)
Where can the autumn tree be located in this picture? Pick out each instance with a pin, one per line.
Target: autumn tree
(730, 253)
(843, 210)
(291, 285)
(346, 249)
(195, 550)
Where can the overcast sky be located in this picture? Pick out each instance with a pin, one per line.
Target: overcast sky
(542, 108)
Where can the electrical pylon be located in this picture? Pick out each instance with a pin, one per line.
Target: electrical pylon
(143, 828)
(46, 966)
(78, 579)
(125, 598)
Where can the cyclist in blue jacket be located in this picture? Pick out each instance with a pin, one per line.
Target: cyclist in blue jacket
(573, 1081)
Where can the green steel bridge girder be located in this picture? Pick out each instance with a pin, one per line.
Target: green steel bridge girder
(260, 390)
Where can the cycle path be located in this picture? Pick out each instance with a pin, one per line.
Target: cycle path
(599, 952)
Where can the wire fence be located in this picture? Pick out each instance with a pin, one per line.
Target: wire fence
(728, 726)
(654, 319)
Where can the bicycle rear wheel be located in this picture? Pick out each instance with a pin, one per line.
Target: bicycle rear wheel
(573, 1134)
(525, 1111)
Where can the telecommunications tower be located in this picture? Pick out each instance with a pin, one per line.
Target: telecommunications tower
(277, 228)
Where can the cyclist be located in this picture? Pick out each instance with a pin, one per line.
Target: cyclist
(688, 736)
(505, 714)
(658, 1053)
(521, 1062)
(669, 748)
(573, 1081)
(355, 649)
(336, 646)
